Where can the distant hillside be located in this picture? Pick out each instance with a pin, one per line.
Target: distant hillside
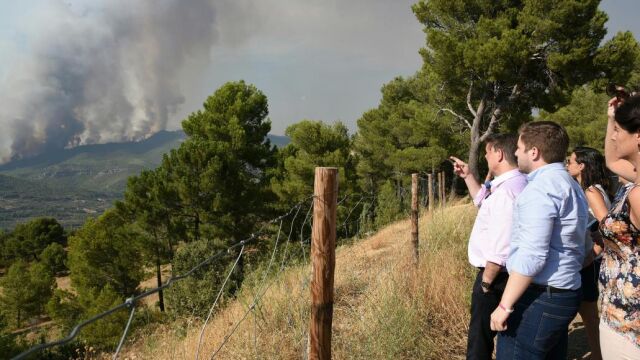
(22, 199)
(71, 184)
(103, 167)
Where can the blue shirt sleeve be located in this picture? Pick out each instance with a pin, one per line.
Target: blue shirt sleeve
(536, 213)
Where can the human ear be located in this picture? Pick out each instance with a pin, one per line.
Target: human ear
(535, 153)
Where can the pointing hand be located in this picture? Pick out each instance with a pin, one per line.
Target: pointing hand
(460, 167)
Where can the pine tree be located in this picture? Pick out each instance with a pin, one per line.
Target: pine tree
(106, 251)
(25, 290)
(492, 62)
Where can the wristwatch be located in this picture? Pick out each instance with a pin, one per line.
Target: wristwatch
(486, 286)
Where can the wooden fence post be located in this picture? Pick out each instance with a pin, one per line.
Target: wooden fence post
(444, 190)
(430, 190)
(440, 189)
(323, 259)
(414, 216)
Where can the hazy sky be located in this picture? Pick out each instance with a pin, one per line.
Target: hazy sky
(314, 59)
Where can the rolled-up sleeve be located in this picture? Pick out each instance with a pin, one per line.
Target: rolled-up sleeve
(536, 213)
(500, 226)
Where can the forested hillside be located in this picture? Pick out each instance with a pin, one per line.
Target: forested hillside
(74, 184)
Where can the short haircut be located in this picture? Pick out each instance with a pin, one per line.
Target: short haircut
(507, 143)
(628, 114)
(550, 138)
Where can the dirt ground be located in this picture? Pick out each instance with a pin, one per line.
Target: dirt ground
(578, 346)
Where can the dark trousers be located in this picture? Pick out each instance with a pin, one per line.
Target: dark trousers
(538, 328)
(480, 339)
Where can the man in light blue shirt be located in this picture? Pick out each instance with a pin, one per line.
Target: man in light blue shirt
(547, 250)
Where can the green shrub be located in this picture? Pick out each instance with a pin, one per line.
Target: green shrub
(194, 295)
(54, 257)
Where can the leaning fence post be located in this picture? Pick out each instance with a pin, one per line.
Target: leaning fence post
(323, 245)
(430, 190)
(414, 216)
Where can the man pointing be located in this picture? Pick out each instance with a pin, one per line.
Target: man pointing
(491, 235)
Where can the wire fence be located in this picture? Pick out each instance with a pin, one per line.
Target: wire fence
(282, 249)
(131, 302)
(286, 254)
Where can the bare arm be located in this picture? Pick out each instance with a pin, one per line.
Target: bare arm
(491, 271)
(620, 167)
(516, 286)
(596, 203)
(634, 204)
(461, 169)
(598, 246)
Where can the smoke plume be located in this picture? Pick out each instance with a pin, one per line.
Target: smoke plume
(109, 72)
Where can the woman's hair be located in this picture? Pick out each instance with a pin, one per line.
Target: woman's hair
(628, 114)
(595, 171)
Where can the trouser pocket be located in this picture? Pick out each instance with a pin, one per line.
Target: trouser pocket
(551, 329)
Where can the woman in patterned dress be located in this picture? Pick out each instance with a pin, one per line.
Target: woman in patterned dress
(587, 166)
(620, 271)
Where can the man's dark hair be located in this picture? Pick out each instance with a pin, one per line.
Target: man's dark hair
(628, 114)
(550, 138)
(507, 143)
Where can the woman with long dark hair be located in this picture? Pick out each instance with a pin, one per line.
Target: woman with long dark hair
(587, 166)
(620, 272)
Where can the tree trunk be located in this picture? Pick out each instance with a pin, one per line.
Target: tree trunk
(196, 227)
(474, 149)
(159, 277)
(452, 191)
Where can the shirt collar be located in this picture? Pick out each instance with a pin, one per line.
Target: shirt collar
(553, 166)
(504, 177)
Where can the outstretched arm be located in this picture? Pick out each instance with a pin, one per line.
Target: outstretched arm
(620, 167)
(461, 169)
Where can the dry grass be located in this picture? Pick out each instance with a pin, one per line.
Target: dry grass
(152, 282)
(64, 283)
(384, 307)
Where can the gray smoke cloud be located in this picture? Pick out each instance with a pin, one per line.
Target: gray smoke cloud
(97, 71)
(111, 71)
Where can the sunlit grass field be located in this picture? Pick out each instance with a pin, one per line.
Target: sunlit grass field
(384, 308)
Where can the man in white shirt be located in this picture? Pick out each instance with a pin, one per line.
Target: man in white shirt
(491, 235)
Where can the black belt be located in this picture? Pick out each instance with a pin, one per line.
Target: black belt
(548, 289)
(503, 269)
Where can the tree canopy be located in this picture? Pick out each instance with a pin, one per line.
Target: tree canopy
(493, 62)
(106, 251)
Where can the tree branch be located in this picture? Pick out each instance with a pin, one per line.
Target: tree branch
(493, 123)
(514, 92)
(497, 112)
(460, 117)
(473, 112)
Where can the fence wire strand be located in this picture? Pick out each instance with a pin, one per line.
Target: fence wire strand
(126, 329)
(133, 300)
(204, 326)
(262, 288)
